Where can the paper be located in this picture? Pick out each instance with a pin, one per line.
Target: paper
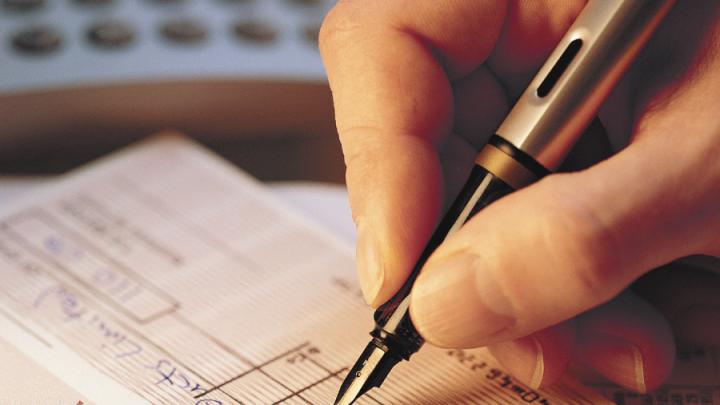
(164, 275)
(12, 187)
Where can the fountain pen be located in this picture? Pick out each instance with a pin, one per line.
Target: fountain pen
(532, 141)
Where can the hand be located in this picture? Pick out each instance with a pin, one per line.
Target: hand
(541, 275)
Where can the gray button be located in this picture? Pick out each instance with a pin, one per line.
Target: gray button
(92, 3)
(110, 34)
(37, 40)
(23, 5)
(255, 31)
(310, 33)
(186, 31)
(306, 2)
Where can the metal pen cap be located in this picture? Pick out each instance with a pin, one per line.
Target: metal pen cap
(569, 88)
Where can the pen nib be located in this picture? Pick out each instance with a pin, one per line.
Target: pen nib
(369, 371)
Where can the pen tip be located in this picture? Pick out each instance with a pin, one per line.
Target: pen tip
(369, 371)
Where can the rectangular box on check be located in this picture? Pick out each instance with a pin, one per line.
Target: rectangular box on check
(123, 288)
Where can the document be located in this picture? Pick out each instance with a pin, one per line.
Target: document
(164, 275)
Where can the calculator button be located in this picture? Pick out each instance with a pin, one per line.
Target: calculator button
(110, 34)
(310, 34)
(94, 2)
(306, 2)
(184, 31)
(255, 31)
(37, 40)
(23, 5)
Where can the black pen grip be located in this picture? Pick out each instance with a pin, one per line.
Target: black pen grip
(500, 169)
(394, 329)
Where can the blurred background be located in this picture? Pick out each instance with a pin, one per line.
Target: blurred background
(79, 78)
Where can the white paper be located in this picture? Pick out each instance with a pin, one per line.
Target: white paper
(165, 275)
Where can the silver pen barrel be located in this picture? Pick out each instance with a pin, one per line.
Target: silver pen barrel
(569, 88)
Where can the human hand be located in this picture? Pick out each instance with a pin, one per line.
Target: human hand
(541, 275)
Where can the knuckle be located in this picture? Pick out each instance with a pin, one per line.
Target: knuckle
(359, 144)
(344, 19)
(592, 248)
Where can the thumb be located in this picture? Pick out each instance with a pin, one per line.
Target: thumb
(568, 243)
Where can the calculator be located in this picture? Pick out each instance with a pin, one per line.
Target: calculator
(80, 75)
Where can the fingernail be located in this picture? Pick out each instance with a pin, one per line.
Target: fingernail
(517, 357)
(616, 359)
(539, 372)
(456, 304)
(369, 263)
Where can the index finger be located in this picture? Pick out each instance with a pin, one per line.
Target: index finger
(389, 64)
(391, 67)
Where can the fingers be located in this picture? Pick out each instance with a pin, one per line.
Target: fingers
(688, 297)
(562, 246)
(628, 342)
(394, 212)
(539, 359)
(389, 65)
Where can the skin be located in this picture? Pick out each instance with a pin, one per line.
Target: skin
(541, 276)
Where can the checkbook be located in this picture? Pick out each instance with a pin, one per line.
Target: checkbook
(163, 275)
